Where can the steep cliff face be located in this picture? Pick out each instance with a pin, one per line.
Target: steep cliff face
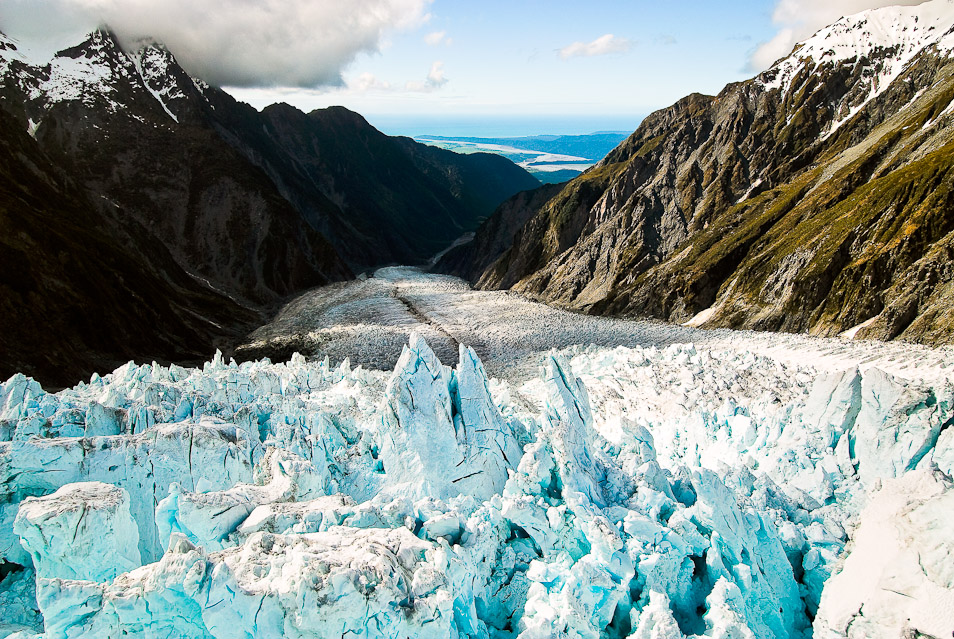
(814, 197)
(378, 199)
(260, 204)
(77, 296)
(495, 236)
(139, 137)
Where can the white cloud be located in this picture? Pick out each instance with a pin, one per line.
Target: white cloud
(367, 82)
(799, 19)
(436, 75)
(437, 37)
(435, 80)
(294, 43)
(603, 45)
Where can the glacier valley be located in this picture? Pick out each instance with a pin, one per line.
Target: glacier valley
(485, 467)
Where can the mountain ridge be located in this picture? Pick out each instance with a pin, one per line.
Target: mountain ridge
(169, 165)
(728, 204)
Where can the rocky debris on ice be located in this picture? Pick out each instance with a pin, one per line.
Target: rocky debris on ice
(623, 492)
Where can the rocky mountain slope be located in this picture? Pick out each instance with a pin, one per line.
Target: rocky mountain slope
(379, 199)
(495, 236)
(815, 197)
(72, 298)
(206, 193)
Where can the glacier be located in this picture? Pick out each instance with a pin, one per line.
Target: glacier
(627, 492)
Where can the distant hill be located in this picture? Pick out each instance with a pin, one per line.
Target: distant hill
(552, 159)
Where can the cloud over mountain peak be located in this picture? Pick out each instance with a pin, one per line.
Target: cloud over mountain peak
(295, 43)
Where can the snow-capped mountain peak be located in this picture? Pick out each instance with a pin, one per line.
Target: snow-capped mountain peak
(101, 71)
(9, 52)
(93, 70)
(889, 38)
(874, 47)
(160, 73)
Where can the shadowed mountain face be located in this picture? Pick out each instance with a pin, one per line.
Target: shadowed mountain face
(83, 291)
(172, 200)
(355, 183)
(495, 236)
(815, 198)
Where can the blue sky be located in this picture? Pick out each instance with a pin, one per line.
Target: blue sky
(501, 57)
(546, 66)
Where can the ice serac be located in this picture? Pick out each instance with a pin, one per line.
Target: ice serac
(559, 477)
(441, 434)
(208, 519)
(342, 582)
(898, 425)
(83, 531)
(747, 555)
(570, 431)
(487, 437)
(897, 579)
(661, 493)
(206, 453)
(580, 584)
(833, 405)
(17, 396)
(725, 613)
(656, 621)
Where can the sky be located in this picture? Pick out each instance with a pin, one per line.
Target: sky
(539, 65)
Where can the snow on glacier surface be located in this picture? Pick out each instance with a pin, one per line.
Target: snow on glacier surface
(684, 490)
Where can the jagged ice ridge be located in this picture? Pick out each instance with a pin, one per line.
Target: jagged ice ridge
(622, 493)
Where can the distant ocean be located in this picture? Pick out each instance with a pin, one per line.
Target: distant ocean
(496, 127)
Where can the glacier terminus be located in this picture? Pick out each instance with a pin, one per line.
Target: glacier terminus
(712, 489)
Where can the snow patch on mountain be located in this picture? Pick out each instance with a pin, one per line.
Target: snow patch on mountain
(885, 40)
(99, 72)
(156, 66)
(85, 73)
(890, 37)
(9, 51)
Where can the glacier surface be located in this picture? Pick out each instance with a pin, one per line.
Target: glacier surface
(620, 492)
